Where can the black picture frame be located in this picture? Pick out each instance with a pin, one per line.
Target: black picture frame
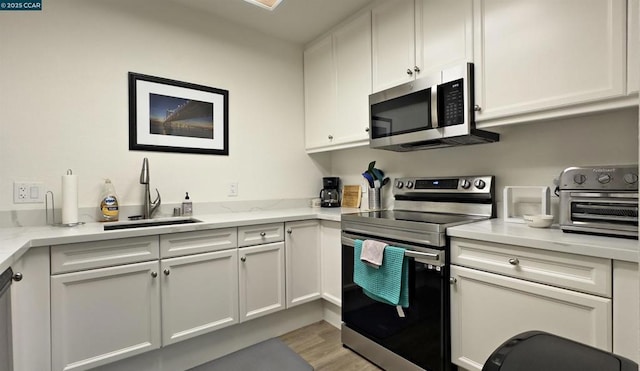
(173, 116)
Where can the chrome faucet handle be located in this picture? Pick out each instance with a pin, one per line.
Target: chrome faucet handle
(144, 174)
(155, 204)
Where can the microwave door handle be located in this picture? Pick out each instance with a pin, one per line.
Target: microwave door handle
(434, 106)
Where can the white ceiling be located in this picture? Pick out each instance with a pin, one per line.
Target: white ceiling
(298, 21)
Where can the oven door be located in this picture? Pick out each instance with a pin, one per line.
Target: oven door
(422, 336)
(614, 213)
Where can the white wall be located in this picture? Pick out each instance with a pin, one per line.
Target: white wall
(527, 155)
(64, 102)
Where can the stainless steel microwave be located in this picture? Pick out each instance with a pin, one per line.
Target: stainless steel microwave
(430, 112)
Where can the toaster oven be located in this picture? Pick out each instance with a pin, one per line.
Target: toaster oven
(600, 200)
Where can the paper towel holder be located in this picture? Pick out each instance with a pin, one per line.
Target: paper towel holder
(53, 212)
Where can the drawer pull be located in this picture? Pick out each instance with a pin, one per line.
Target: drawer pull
(167, 272)
(243, 259)
(154, 274)
(514, 261)
(17, 277)
(262, 234)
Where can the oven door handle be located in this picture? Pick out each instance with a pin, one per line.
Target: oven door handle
(348, 241)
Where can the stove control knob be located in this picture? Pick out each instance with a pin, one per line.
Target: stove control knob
(480, 184)
(465, 184)
(630, 178)
(399, 184)
(409, 184)
(604, 178)
(579, 178)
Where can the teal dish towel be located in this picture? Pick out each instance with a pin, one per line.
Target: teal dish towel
(387, 284)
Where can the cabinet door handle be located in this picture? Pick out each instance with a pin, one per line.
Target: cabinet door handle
(330, 137)
(514, 261)
(154, 274)
(477, 108)
(409, 72)
(453, 280)
(416, 69)
(243, 259)
(289, 231)
(17, 277)
(366, 129)
(262, 234)
(166, 272)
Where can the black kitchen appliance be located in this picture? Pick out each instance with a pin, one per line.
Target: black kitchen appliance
(423, 209)
(539, 350)
(330, 194)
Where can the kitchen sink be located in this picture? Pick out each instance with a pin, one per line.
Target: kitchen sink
(150, 223)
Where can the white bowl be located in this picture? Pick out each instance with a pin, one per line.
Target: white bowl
(539, 221)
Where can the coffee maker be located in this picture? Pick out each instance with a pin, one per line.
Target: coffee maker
(329, 195)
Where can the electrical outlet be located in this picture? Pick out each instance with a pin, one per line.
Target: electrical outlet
(28, 192)
(233, 189)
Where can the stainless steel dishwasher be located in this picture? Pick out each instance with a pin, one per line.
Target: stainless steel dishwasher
(6, 354)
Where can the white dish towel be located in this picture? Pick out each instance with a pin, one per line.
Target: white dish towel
(372, 252)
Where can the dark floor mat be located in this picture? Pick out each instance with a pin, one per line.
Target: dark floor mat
(269, 355)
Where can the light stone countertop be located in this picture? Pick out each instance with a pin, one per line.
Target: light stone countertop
(15, 241)
(553, 239)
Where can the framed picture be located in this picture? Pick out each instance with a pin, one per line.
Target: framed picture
(172, 116)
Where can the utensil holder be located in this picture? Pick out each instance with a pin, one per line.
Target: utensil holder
(374, 199)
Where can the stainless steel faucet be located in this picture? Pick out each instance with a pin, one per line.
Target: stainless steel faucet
(149, 207)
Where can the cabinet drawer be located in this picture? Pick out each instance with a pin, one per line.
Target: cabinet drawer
(259, 234)
(97, 254)
(179, 244)
(574, 272)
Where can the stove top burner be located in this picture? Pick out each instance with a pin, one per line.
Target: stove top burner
(425, 207)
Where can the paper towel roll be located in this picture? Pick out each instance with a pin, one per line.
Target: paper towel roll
(69, 198)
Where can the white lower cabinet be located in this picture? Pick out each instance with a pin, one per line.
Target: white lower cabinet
(261, 279)
(199, 294)
(331, 256)
(302, 244)
(114, 299)
(626, 309)
(488, 306)
(30, 312)
(103, 315)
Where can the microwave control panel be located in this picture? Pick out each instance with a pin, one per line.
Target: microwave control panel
(451, 103)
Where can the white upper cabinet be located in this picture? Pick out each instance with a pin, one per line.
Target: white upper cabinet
(540, 55)
(337, 84)
(393, 43)
(413, 38)
(319, 93)
(352, 51)
(444, 34)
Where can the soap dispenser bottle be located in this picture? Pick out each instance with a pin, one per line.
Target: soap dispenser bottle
(187, 206)
(109, 203)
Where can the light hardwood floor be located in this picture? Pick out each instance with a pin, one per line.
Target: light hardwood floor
(320, 345)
